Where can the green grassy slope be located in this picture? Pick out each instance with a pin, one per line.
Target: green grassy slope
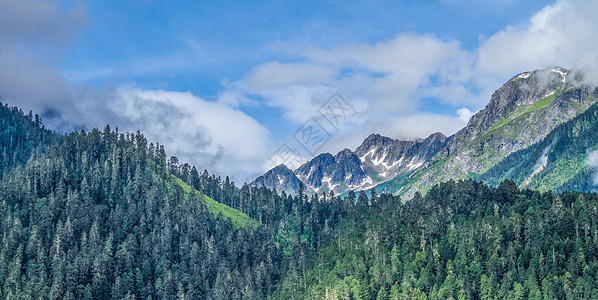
(238, 218)
(520, 113)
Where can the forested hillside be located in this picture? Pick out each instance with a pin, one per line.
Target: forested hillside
(100, 216)
(463, 240)
(106, 215)
(20, 136)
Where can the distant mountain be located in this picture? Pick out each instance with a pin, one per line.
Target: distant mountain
(520, 113)
(376, 160)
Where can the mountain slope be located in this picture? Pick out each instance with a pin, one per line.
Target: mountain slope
(559, 162)
(522, 112)
(98, 216)
(103, 215)
(238, 218)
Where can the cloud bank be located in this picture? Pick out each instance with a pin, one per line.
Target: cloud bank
(210, 135)
(31, 33)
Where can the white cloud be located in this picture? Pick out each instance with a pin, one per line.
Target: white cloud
(274, 74)
(297, 101)
(222, 126)
(562, 34)
(381, 81)
(464, 114)
(390, 73)
(420, 125)
(29, 84)
(592, 163)
(209, 135)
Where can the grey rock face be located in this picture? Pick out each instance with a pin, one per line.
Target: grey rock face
(388, 158)
(524, 89)
(326, 172)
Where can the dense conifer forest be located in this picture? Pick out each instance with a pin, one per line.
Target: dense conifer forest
(463, 240)
(108, 215)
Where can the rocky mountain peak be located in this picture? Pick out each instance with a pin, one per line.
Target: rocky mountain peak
(374, 141)
(327, 172)
(282, 168)
(323, 160)
(343, 154)
(279, 177)
(435, 137)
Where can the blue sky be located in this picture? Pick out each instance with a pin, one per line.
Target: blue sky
(224, 83)
(195, 45)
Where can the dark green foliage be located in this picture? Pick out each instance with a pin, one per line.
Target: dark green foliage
(463, 240)
(20, 136)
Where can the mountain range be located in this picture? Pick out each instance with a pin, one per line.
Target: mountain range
(523, 112)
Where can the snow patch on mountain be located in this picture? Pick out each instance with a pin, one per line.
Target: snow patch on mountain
(524, 75)
(561, 72)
